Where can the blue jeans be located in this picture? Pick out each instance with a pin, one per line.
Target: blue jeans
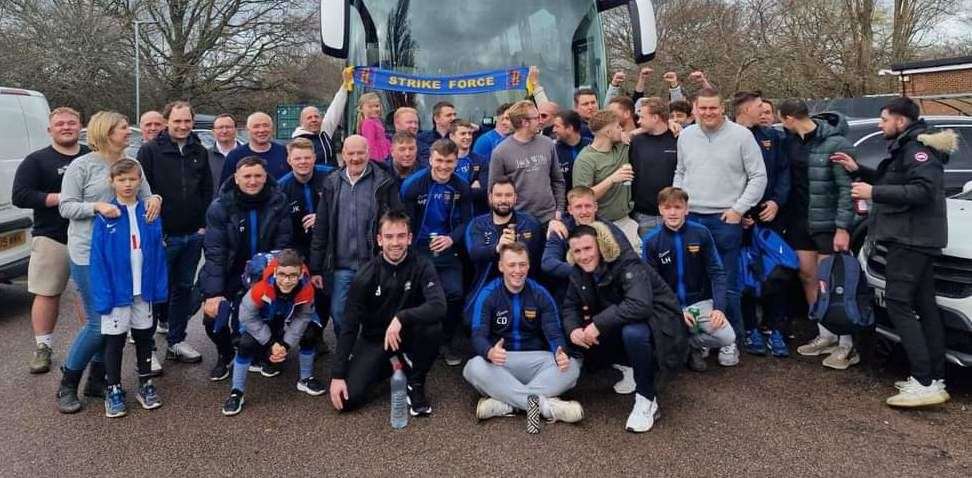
(340, 282)
(182, 258)
(89, 342)
(728, 241)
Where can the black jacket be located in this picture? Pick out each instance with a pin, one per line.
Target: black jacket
(622, 291)
(385, 192)
(380, 291)
(183, 180)
(909, 190)
(223, 242)
(302, 199)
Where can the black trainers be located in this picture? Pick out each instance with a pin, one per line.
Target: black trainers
(221, 370)
(270, 369)
(311, 386)
(418, 405)
(67, 392)
(233, 404)
(96, 384)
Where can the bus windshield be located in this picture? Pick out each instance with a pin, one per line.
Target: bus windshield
(562, 37)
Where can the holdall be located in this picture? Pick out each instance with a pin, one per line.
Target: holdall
(844, 300)
(766, 265)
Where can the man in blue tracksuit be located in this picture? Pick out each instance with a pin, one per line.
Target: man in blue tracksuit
(439, 204)
(303, 187)
(486, 233)
(748, 107)
(685, 255)
(521, 360)
(471, 167)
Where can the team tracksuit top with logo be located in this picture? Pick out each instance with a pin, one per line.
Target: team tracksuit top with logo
(441, 209)
(471, 168)
(688, 261)
(482, 236)
(526, 321)
(302, 199)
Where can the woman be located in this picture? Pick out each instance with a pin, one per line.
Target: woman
(86, 191)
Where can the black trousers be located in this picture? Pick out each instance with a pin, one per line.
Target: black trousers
(911, 289)
(370, 366)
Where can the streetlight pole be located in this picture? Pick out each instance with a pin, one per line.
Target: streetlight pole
(138, 97)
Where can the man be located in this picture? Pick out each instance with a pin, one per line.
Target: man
(151, 124)
(682, 113)
(566, 130)
(747, 109)
(248, 216)
(403, 157)
(585, 100)
(224, 129)
(406, 121)
(395, 308)
(767, 116)
(521, 360)
(443, 114)
(259, 126)
(548, 111)
(176, 166)
(319, 130)
(530, 160)
(603, 166)
(617, 309)
(471, 167)
(276, 317)
(908, 195)
(721, 168)
(820, 211)
(624, 109)
(488, 141)
(653, 159)
(303, 187)
(352, 198)
(37, 186)
(487, 233)
(440, 206)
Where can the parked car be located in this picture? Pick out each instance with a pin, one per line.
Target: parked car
(134, 141)
(23, 129)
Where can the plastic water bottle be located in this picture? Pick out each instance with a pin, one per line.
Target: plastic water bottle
(399, 396)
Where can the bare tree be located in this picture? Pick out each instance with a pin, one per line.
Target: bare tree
(911, 20)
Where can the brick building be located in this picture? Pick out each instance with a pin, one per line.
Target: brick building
(943, 86)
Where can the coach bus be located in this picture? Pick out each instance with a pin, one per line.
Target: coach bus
(562, 37)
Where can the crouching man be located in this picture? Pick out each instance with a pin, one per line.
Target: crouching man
(521, 361)
(613, 303)
(274, 318)
(396, 305)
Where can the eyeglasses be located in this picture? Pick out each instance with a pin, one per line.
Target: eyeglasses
(286, 277)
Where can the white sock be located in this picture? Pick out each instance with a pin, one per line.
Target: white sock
(823, 332)
(846, 341)
(45, 339)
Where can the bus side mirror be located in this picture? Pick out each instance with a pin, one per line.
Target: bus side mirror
(335, 17)
(643, 29)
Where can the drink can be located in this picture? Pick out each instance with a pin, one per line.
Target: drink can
(861, 206)
(432, 236)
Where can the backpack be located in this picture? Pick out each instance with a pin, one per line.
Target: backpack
(255, 268)
(844, 299)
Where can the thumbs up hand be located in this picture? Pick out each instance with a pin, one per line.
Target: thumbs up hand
(563, 361)
(497, 354)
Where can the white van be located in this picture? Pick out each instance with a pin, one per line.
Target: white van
(23, 129)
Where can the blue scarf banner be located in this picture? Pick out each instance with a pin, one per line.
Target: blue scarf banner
(464, 84)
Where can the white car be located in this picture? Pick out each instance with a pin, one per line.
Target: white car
(953, 280)
(23, 129)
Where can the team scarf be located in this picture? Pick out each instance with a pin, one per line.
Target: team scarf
(463, 84)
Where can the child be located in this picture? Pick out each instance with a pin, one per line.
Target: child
(128, 275)
(685, 255)
(371, 127)
(274, 318)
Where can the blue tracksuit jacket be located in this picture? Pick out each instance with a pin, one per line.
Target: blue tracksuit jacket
(443, 209)
(482, 237)
(471, 168)
(688, 261)
(526, 321)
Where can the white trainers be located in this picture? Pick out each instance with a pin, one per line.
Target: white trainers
(490, 408)
(914, 394)
(626, 385)
(817, 346)
(729, 356)
(901, 384)
(842, 358)
(183, 352)
(557, 410)
(643, 415)
(156, 366)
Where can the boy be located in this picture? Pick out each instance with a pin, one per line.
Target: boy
(684, 254)
(274, 318)
(128, 274)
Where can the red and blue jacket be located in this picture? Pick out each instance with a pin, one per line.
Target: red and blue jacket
(263, 306)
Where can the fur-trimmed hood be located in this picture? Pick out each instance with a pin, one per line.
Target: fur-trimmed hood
(610, 250)
(943, 141)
